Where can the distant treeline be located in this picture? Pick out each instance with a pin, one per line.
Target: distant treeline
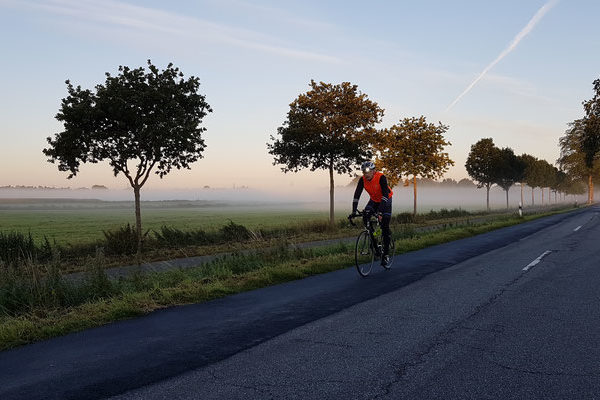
(447, 182)
(21, 187)
(61, 203)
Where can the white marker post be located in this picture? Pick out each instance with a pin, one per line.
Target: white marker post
(520, 209)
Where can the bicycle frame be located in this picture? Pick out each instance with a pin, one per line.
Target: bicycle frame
(375, 246)
(371, 226)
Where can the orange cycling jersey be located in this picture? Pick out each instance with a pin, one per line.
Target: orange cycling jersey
(374, 188)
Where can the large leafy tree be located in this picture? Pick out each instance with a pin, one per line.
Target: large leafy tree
(590, 143)
(560, 183)
(530, 175)
(481, 165)
(574, 187)
(414, 148)
(574, 160)
(326, 128)
(546, 173)
(580, 146)
(140, 121)
(510, 169)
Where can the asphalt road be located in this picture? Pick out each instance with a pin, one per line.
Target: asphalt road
(513, 313)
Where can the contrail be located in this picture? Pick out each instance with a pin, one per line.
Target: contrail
(528, 28)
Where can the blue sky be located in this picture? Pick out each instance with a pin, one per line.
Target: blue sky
(254, 57)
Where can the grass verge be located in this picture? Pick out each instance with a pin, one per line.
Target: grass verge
(33, 310)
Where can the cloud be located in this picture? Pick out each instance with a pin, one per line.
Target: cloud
(524, 32)
(110, 14)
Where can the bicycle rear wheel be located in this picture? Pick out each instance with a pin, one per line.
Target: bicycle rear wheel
(364, 254)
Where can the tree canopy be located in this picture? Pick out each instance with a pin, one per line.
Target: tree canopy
(481, 165)
(574, 160)
(590, 142)
(509, 169)
(412, 147)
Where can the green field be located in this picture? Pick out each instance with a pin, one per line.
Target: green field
(83, 222)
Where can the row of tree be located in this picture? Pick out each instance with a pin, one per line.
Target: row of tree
(332, 127)
(579, 160)
(149, 121)
(489, 165)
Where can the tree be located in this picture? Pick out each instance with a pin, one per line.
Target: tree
(140, 121)
(529, 175)
(580, 146)
(574, 187)
(574, 160)
(326, 128)
(545, 173)
(466, 182)
(560, 183)
(590, 144)
(448, 182)
(414, 148)
(481, 166)
(509, 169)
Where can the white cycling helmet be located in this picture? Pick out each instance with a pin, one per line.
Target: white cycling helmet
(367, 166)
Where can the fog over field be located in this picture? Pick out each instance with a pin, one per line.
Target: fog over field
(429, 197)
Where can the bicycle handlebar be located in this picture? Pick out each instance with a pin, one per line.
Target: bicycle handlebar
(361, 214)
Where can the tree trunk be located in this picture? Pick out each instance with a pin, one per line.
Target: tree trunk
(487, 200)
(590, 189)
(542, 196)
(522, 205)
(532, 199)
(415, 195)
(507, 198)
(138, 224)
(331, 211)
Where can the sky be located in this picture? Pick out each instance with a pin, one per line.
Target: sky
(515, 71)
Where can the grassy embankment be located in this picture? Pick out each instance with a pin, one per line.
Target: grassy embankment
(36, 302)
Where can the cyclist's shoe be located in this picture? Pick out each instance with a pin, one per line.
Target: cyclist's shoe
(385, 261)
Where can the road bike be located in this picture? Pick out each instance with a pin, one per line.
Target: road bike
(369, 244)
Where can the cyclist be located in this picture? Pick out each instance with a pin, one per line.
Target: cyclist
(376, 184)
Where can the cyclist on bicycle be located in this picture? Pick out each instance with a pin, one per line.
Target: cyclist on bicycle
(375, 183)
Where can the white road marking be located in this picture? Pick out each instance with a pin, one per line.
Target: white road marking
(537, 260)
(578, 228)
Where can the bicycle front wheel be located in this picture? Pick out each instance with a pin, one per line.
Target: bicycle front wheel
(364, 254)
